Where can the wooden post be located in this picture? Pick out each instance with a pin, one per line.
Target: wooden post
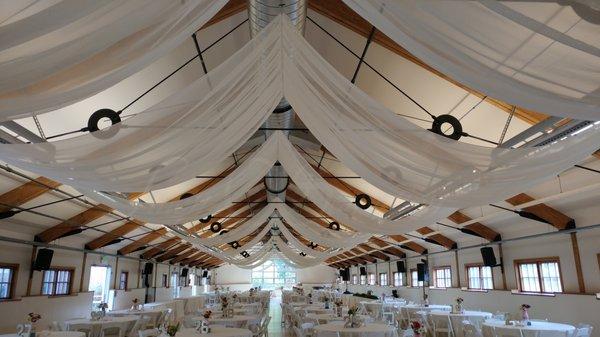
(457, 267)
(82, 275)
(502, 266)
(116, 273)
(33, 253)
(577, 258)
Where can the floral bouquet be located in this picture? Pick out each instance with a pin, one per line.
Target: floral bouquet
(525, 312)
(135, 304)
(103, 306)
(338, 303)
(458, 307)
(418, 328)
(33, 317)
(207, 314)
(353, 320)
(224, 302)
(172, 329)
(353, 310)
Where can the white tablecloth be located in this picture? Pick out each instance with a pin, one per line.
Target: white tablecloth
(370, 329)
(124, 323)
(236, 321)
(216, 332)
(326, 318)
(192, 304)
(153, 314)
(47, 333)
(535, 326)
(457, 319)
(176, 306)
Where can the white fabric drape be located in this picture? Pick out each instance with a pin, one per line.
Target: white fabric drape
(55, 53)
(535, 54)
(215, 198)
(293, 256)
(403, 159)
(256, 258)
(236, 252)
(291, 239)
(188, 133)
(316, 233)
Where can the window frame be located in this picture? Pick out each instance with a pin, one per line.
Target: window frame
(14, 269)
(124, 286)
(422, 283)
(363, 280)
(385, 279)
(54, 283)
(401, 277)
(165, 280)
(355, 279)
(371, 277)
(435, 276)
(480, 267)
(538, 262)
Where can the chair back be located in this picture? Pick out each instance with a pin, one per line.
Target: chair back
(299, 332)
(87, 329)
(470, 330)
(56, 326)
(583, 330)
(442, 326)
(112, 329)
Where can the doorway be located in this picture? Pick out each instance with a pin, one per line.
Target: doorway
(99, 284)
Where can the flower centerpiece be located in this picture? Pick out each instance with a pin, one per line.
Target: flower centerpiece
(135, 304)
(309, 298)
(207, 314)
(226, 311)
(525, 312)
(418, 328)
(458, 306)
(338, 307)
(33, 318)
(103, 306)
(325, 299)
(353, 320)
(172, 329)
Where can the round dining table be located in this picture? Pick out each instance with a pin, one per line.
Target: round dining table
(457, 318)
(536, 326)
(48, 333)
(370, 329)
(215, 332)
(326, 318)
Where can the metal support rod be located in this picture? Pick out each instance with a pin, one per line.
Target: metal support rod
(362, 56)
(199, 53)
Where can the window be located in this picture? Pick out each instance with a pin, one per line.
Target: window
(100, 284)
(398, 279)
(371, 279)
(480, 277)
(274, 274)
(354, 279)
(57, 281)
(363, 279)
(414, 278)
(165, 281)
(539, 275)
(442, 277)
(8, 275)
(383, 279)
(123, 280)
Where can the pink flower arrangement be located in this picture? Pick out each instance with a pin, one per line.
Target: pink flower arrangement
(33, 317)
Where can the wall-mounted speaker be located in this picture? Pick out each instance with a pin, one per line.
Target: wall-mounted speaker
(205, 273)
(422, 272)
(43, 260)
(148, 268)
(363, 271)
(489, 259)
(184, 272)
(400, 267)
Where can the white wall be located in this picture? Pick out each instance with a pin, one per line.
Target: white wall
(240, 279)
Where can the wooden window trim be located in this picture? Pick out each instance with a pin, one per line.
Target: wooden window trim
(387, 278)
(435, 270)
(538, 261)
(480, 265)
(57, 269)
(411, 278)
(13, 279)
(394, 279)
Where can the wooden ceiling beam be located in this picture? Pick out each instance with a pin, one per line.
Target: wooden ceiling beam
(394, 251)
(556, 218)
(379, 255)
(172, 253)
(26, 192)
(160, 248)
(184, 255)
(141, 242)
(477, 229)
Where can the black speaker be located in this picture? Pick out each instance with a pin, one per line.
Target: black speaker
(363, 271)
(421, 272)
(345, 273)
(489, 259)
(184, 272)
(400, 266)
(43, 260)
(148, 268)
(205, 273)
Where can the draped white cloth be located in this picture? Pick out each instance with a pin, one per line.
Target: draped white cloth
(540, 55)
(292, 241)
(55, 53)
(298, 260)
(316, 233)
(236, 252)
(184, 135)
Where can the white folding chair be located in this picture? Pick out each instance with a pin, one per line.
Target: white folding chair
(149, 333)
(56, 326)
(87, 329)
(112, 330)
(507, 332)
(470, 330)
(583, 330)
(442, 326)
